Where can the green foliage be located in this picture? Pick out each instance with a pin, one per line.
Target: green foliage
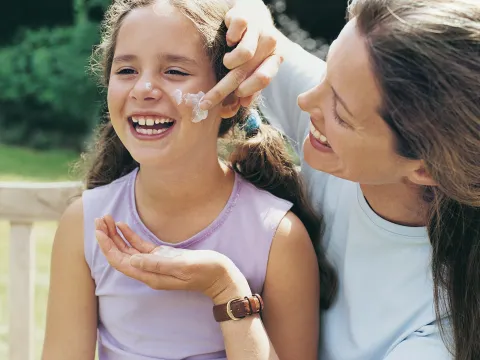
(47, 98)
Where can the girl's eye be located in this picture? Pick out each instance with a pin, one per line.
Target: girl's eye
(126, 72)
(337, 118)
(176, 72)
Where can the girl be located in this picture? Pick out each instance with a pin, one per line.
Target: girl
(156, 169)
(389, 134)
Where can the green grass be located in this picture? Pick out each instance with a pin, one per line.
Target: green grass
(18, 164)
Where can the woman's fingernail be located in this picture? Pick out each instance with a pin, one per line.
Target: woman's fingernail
(205, 105)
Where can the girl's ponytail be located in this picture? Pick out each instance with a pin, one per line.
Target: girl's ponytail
(108, 160)
(262, 158)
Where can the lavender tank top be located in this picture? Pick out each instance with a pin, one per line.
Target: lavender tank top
(139, 323)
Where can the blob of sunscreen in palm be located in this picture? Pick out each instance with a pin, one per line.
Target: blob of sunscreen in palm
(192, 100)
(168, 251)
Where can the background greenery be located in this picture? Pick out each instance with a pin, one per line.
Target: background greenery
(48, 99)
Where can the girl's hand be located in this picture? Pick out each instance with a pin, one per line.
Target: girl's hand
(168, 268)
(254, 61)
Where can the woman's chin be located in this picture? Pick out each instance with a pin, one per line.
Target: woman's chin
(319, 160)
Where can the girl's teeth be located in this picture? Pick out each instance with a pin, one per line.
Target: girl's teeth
(150, 122)
(150, 131)
(141, 121)
(157, 121)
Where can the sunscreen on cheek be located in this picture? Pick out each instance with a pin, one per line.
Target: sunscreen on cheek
(193, 101)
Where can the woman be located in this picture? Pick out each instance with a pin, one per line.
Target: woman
(391, 158)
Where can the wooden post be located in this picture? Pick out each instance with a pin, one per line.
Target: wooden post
(22, 292)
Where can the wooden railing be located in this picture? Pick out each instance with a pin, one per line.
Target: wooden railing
(22, 204)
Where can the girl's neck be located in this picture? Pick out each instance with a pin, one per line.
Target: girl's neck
(398, 203)
(182, 187)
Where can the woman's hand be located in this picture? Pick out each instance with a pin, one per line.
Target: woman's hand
(255, 59)
(168, 268)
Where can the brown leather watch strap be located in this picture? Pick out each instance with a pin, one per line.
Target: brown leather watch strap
(237, 309)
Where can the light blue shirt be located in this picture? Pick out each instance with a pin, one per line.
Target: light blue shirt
(384, 309)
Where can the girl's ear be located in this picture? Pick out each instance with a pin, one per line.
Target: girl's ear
(230, 106)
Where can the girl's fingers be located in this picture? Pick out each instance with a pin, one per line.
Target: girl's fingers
(110, 223)
(100, 225)
(121, 262)
(115, 257)
(116, 237)
(134, 240)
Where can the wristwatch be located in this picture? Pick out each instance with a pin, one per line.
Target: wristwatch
(238, 308)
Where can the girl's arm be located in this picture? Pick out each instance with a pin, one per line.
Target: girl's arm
(71, 329)
(195, 270)
(291, 293)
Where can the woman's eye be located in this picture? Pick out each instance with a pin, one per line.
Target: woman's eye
(176, 72)
(126, 72)
(337, 118)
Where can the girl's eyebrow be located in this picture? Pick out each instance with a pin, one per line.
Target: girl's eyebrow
(166, 57)
(176, 58)
(124, 58)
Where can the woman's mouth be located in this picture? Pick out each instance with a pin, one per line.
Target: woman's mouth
(319, 136)
(319, 141)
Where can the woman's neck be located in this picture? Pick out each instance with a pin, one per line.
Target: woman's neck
(398, 203)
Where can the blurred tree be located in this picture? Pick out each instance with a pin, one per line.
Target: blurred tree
(47, 98)
(324, 18)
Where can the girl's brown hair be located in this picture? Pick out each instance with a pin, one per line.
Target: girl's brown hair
(261, 156)
(426, 57)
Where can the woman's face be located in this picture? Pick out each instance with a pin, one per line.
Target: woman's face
(158, 51)
(348, 137)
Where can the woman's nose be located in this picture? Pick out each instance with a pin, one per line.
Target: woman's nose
(309, 99)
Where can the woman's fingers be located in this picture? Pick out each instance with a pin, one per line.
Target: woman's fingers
(237, 76)
(134, 240)
(261, 78)
(245, 50)
(237, 25)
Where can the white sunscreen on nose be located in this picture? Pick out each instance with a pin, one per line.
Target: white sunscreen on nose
(192, 100)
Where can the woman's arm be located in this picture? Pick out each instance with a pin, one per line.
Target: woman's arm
(72, 307)
(291, 292)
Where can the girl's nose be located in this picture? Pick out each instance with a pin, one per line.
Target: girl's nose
(146, 90)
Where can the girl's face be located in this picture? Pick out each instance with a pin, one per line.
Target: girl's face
(344, 110)
(158, 51)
